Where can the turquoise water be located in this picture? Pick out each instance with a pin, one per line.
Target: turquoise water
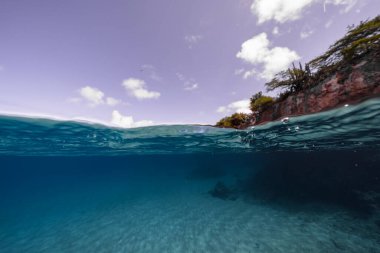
(311, 184)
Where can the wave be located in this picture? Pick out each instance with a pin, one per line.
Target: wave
(351, 127)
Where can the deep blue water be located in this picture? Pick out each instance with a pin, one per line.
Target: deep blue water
(311, 184)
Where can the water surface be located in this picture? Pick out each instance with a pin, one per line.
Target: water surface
(308, 185)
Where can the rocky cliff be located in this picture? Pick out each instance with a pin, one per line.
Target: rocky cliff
(351, 85)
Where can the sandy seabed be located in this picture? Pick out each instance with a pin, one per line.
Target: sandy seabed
(179, 217)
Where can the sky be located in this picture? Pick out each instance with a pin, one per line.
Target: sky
(131, 63)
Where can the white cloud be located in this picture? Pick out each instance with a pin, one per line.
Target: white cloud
(257, 51)
(279, 10)
(112, 101)
(120, 120)
(289, 10)
(348, 4)
(151, 71)
(329, 23)
(222, 109)
(192, 40)
(276, 30)
(188, 83)
(245, 73)
(181, 77)
(137, 89)
(249, 73)
(1, 68)
(74, 100)
(306, 32)
(240, 106)
(238, 72)
(191, 86)
(93, 95)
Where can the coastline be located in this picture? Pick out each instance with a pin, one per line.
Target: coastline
(351, 85)
(347, 73)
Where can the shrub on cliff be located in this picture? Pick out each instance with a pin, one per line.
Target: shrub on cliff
(259, 102)
(358, 42)
(234, 121)
(282, 96)
(292, 80)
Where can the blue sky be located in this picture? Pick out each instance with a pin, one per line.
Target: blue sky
(139, 62)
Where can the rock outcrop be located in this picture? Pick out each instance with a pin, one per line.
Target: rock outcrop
(224, 192)
(349, 86)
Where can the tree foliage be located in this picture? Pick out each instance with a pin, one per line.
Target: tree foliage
(358, 42)
(293, 79)
(259, 103)
(234, 121)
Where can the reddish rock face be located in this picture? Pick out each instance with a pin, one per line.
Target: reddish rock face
(363, 82)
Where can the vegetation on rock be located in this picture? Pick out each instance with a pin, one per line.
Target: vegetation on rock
(259, 103)
(360, 41)
(292, 80)
(236, 120)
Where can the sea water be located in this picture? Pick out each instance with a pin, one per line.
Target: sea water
(306, 184)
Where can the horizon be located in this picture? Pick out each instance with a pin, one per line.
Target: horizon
(130, 64)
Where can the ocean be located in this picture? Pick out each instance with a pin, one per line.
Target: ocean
(305, 184)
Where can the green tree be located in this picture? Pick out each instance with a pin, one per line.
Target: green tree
(259, 103)
(358, 41)
(292, 80)
(236, 120)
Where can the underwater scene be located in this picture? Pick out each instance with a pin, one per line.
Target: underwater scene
(304, 184)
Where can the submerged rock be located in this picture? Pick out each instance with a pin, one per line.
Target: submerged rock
(221, 191)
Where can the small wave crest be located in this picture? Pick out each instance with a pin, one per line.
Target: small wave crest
(349, 127)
